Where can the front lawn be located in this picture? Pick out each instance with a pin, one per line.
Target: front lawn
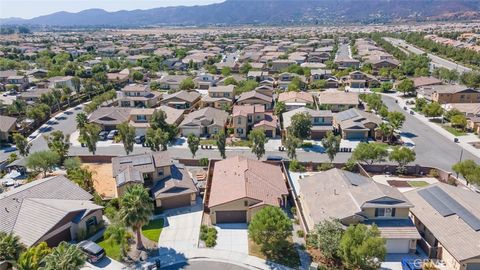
(240, 143)
(208, 142)
(153, 229)
(418, 184)
(454, 131)
(287, 256)
(111, 248)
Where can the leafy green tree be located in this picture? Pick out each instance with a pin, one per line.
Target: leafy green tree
(43, 161)
(22, 144)
(187, 84)
(10, 247)
(136, 208)
(326, 237)
(31, 259)
(226, 71)
(156, 139)
(300, 126)
(137, 76)
(292, 143)
(269, 228)
(386, 86)
(406, 86)
(83, 177)
(258, 139)
(245, 68)
(72, 163)
(127, 136)
(159, 120)
(230, 81)
(395, 120)
(119, 235)
(59, 143)
(193, 143)
(279, 108)
(433, 109)
(420, 103)
(450, 113)
(89, 135)
(64, 257)
(403, 156)
(362, 247)
(221, 143)
(331, 143)
(469, 170)
(370, 153)
(459, 121)
(385, 129)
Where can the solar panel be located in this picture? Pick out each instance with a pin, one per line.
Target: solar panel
(438, 205)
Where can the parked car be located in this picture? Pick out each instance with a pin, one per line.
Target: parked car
(103, 135)
(112, 134)
(140, 139)
(93, 251)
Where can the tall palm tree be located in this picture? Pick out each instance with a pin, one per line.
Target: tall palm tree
(10, 247)
(64, 257)
(81, 120)
(385, 129)
(136, 210)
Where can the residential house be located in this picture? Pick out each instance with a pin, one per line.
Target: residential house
(240, 187)
(61, 82)
(205, 81)
(181, 100)
(355, 124)
(344, 62)
(278, 65)
(170, 184)
(171, 82)
(255, 98)
(219, 97)
(109, 117)
(250, 117)
(139, 96)
(448, 219)
(338, 101)
(294, 100)
(7, 126)
(357, 79)
(204, 122)
(419, 82)
(50, 210)
(450, 93)
(33, 95)
(352, 199)
(321, 121)
(19, 81)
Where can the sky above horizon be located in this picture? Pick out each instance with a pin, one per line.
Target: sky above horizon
(28, 9)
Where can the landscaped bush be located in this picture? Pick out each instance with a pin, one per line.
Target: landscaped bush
(208, 235)
(295, 166)
(293, 209)
(325, 167)
(300, 233)
(433, 173)
(203, 162)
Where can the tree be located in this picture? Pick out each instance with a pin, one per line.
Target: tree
(187, 84)
(403, 156)
(370, 153)
(395, 120)
(459, 121)
(469, 170)
(292, 143)
(326, 237)
(300, 125)
(137, 76)
(65, 257)
(245, 68)
(159, 120)
(331, 143)
(279, 108)
(42, 161)
(127, 136)
(193, 143)
(433, 109)
(89, 135)
(221, 143)
(59, 143)
(230, 81)
(22, 144)
(117, 234)
(258, 139)
(156, 139)
(136, 208)
(81, 120)
(386, 86)
(269, 228)
(10, 247)
(362, 247)
(406, 86)
(385, 129)
(31, 259)
(226, 71)
(82, 177)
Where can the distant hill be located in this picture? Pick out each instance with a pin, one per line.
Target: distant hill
(235, 12)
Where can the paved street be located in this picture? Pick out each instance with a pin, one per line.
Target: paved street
(435, 60)
(201, 265)
(432, 148)
(343, 50)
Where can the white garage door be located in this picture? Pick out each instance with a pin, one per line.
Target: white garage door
(187, 131)
(397, 245)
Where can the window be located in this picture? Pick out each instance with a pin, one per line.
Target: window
(240, 130)
(245, 203)
(239, 120)
(91, 221)
(384, 212)
(160, 172)
(141, 118)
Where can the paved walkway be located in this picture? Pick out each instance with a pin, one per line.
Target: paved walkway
(232, 237)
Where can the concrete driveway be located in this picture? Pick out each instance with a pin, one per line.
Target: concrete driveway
(181, 229)
(232, 237)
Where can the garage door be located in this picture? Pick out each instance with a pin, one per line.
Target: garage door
(231, 216)
(473, 266)
(398, 245)
(187, 131)
(352, 135)
(64, 235)
(177, 201)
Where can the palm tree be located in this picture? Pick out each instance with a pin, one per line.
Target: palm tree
(136, 210)
(10, 247)
(31, 259)
(81, 120)
(385, 129)
(64, 257)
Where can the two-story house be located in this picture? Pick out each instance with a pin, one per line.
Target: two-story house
(219, 97)
(352, 198)
(451, 93)
(61, 82)
(204, 122)
(321, 121)
(20, 81)
(249, 117)
(354, 124)
(181, 100)
(205, 81)
(139, 96)
(170, 184)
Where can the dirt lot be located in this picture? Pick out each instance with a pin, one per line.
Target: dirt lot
(103, 180)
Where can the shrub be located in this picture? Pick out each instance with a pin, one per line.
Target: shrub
(300, 233)
(433, 173)
(293, 209)
(203, 162)
(211, 242)
(306, 145)
(325, 166)
(295, 166)
(208, 235)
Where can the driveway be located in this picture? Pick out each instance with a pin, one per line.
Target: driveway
(232, 237)
(105, 263)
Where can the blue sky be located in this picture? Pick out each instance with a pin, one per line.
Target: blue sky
(32, 8)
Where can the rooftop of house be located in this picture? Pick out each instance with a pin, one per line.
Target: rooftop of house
(245, 110)
(293, 96)
(345, 98)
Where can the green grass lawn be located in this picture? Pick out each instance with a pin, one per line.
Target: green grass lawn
(418, 183)
(241, 143)
(454, 131)
(153, 229)
(208, 142)
(113, 250)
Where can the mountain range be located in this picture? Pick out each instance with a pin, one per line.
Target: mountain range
(271, 12)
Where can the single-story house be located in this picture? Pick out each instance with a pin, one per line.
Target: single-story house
(354, 124)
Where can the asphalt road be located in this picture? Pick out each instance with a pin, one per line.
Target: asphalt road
(202, 265)
(431, 148)
(435, 60)
(343, 50)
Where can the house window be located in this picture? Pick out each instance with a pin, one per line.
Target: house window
(160, 172)
(141, 118)
(91, 222)
(245, 203)
(384, 212)
(239, 120)
(240, 130)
